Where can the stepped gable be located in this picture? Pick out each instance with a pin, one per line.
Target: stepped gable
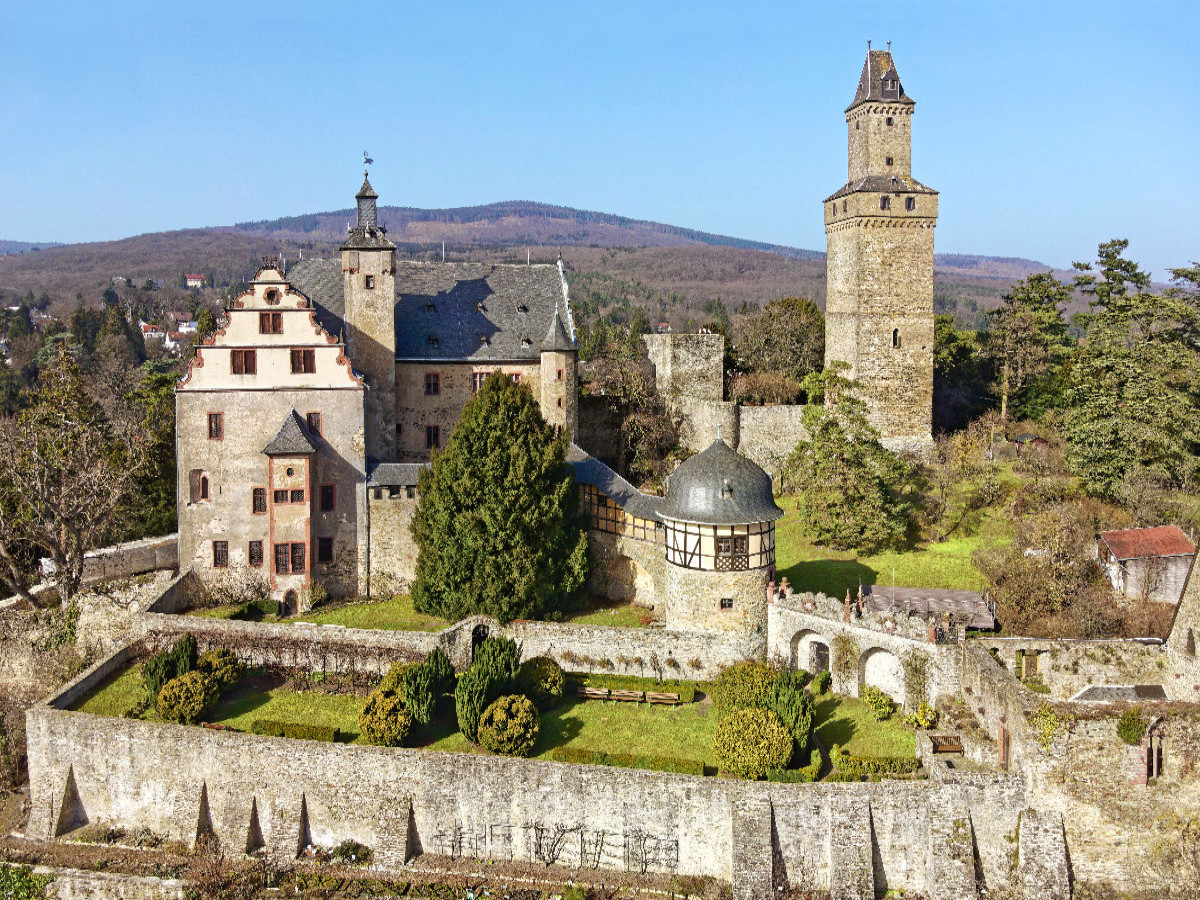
(478, 312)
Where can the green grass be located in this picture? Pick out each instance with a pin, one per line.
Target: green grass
(241, 706)
(809, 567)
(617, 615)
(396, 614)
(216, 612)
(850, 723)
(116, 694)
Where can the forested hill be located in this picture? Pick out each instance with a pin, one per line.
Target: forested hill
(665, 267)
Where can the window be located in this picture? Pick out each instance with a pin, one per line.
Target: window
(560, 402)
(203, 487)
(432, 384)
(297, 497)
(260, 500)
(298, 558)
(220, 554)
(433, 437)
(733, 553)
(889, 120)
(313, 420)
(243, 362)
(843, 206)
(282, 554)
(256, 553)
(369, 282)
(726, 603)
(280, 496)
(516, 377)
(272, 296)
(410, 491)
(558, 375)
(889, 160)
(477, 380)
(324, 550)
(304, 362)
(328, 497)
(910, 203)
(216, 426)
(884, 203)
(895, 338)
(270, 322)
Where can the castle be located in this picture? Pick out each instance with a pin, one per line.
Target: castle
(303, 423)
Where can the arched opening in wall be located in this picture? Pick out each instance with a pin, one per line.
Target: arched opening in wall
(884, 670)
(810, 651)
(628, 582)
(895, 338)
(1189, 646)
(291, 603)
(198, 488)
(479, 634)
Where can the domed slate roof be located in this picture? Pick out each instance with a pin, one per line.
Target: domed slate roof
(719, 487)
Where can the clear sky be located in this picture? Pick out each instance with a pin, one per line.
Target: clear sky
(1048, 127)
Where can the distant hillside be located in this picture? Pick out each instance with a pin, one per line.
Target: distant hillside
(672, 270)
(7, 247)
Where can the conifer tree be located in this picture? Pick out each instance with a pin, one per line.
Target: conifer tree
(497, 526)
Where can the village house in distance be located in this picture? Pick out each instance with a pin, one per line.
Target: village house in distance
(304, 422)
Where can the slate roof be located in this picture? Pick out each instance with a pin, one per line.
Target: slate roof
(719, 486)
(395, 474)
(1139, 543)
(556, 337)
(878, 69)
(962, 605)
(293, 438)
(478, 312)
(881, 184)
(589, 470)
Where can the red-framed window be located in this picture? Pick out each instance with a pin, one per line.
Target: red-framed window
(216, 426)
(220, 554)
(290, 559)
(270, 322)
(256, 553)
(283, 553)
(260, 501)
(296, 496)
(433, 385)
(299, 558)
(516, 377)
(477, 379)
(280, 496)
(243, 362)
(304, 361)
(328, 497)
(313, 419)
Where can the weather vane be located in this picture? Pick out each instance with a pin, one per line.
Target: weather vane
(367, 159)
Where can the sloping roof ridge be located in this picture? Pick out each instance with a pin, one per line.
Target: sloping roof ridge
(292, 438)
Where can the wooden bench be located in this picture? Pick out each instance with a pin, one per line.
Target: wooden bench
(669, 699)
(629, 696)
(947, 743)
(591, 693)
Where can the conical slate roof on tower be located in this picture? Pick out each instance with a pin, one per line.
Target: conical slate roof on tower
(879, 82)
(557, 337)
(719, 486)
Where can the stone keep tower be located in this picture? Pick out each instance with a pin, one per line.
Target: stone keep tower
(369, 287)
(719, 521)
(879, 229)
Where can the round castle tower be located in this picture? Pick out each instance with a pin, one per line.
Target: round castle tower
(719, 517)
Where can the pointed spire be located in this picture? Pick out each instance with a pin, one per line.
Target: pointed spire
(879, 81)
(557, 337)
(292, 439)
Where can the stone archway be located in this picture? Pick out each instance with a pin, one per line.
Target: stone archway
(291, 603)
(810, 651)
(627, 581)
(882, 669)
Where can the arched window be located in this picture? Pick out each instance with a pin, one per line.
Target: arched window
(203, 487)
(895, 338)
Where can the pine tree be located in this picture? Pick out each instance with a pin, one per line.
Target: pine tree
(497, 526)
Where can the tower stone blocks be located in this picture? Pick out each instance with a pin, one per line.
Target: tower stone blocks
(559, 399)
(879, 229)
(369, 288)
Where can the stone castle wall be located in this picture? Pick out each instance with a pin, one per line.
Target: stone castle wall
(688, 365)
(126, 560)
(626, 568)
(393, 551)
(1066, 667)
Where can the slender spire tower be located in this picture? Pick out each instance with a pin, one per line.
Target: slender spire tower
(879, 266)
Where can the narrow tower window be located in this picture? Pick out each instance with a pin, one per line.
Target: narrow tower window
(889, 160)
(889, 120)
(885, 202)
(910, 203)
(895, 338)
(369, 282)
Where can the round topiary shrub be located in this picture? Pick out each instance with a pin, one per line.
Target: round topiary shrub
(224, 667)
(185, 699)
(820, 684)
(541, 679)
(393, 681)
(743, 685)
(510, 726)
(882, 706)
(751, 742)
(1131, 727)
(384, 720)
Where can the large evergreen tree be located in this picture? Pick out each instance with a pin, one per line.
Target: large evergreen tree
(497, 526)
(1134, 398)
(854, 493)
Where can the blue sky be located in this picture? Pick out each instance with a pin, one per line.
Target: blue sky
(1048, 127)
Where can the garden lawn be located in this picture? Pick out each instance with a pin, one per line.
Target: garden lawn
(618, 615)
(117, 694)
(240, 707)
(396, 614)
(809, 567)
(850, 723)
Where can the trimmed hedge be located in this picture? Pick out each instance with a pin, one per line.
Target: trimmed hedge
(510, 726)
(224, 667)
(842, 776)
(393, 681)
(500, 659)
(743, 685)
(752, 742)
(384, 720)
(579, 756)
(186, 698)
(272, 728)
(419, 693)
(794, 706)
(541, 679)
(442, 670)
(801, 775)
(820, 684)
(685, 689)
(876, 765)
